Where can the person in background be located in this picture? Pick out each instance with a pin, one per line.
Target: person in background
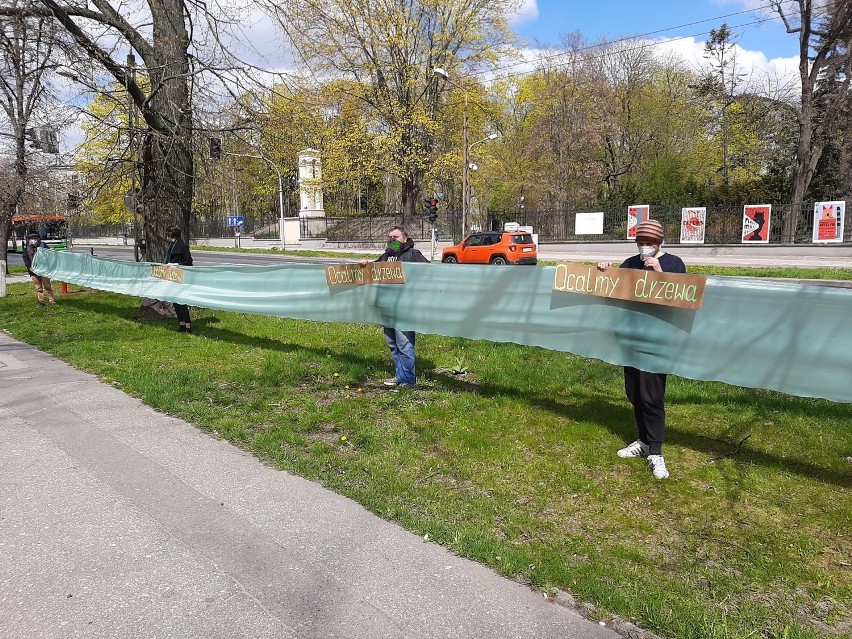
(42, 284)
(401, 343)
(178, 253)
(647, 391)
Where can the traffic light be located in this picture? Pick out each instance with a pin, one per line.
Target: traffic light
(432, 208)
(215, 148)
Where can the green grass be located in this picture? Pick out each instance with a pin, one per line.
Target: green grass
(512, 463)
(16, 270)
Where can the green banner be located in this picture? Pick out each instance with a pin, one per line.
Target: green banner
(749, 332)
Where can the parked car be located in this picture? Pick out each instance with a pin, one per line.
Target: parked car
(493, 247)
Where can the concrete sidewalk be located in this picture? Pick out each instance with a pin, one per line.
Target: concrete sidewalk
(117, 521)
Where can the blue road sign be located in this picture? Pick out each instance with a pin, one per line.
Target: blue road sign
(236, 220)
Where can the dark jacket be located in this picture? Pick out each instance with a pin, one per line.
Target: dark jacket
(178, 253)
(407, 253)
(28, 259)
(668, 262)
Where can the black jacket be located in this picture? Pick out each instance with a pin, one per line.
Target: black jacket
(407, 253)
(178, 253)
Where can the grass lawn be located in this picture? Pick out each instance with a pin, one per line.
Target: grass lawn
(506, 454)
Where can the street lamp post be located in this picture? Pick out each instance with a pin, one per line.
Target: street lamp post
(468, 165)
(441, 73)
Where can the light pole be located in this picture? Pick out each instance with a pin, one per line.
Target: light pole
(441, 73)
(280, 191)
(468, 165)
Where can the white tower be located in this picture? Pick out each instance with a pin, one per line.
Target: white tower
(310, 184)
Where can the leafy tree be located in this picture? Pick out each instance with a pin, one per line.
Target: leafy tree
(388, 49)
(27, 43)
(162, 40)
(820, 28)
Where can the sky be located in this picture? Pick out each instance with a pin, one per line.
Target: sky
(546, 20)
(684, 24)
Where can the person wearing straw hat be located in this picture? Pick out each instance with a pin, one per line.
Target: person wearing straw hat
(647, 391)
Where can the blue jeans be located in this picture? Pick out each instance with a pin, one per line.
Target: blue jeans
(401, 345)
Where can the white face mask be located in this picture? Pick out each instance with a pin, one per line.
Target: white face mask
(33, 242)
(647, 251)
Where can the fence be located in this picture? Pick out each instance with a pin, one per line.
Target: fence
(723, 225)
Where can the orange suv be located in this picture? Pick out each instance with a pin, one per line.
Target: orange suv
(493, 247)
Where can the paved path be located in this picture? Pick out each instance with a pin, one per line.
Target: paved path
(117, 521)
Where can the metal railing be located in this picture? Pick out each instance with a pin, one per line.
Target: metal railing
(723, 225)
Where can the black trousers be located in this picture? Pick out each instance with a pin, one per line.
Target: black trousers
(647, 393)
(182, 312)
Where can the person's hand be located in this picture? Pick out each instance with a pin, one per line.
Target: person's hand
(363, 263)
(602, 266)
(653, 263)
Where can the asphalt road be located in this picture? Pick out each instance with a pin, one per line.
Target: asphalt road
(200, 258)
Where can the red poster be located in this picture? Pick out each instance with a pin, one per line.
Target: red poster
(635, 214)
(756, 223)
(828, 221)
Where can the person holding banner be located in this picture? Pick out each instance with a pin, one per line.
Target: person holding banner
(42, 284)
(401, 343)
(178, 253)
(647, 391)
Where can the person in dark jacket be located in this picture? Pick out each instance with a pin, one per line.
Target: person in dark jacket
(401, 343)
(42, 284)
(647, 391)
(178, 253)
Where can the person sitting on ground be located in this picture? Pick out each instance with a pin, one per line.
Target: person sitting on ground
(647, 391)
(178, 253)
(42, 283)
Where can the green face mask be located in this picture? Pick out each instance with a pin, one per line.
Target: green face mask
(394, 246)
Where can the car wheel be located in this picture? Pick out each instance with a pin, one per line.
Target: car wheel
(499, 260)
(450, 259)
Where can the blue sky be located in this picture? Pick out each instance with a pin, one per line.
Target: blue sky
(613, 19)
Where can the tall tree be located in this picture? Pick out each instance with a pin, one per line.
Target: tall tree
(26, 46)
(389, 49)
(819, 26)
(162, 39)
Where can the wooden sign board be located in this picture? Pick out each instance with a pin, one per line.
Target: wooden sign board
(357, 275)
(632, 285)
(167, 272)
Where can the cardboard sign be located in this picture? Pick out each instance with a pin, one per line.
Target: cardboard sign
(632, 285)
(357, 275)
(167, 272)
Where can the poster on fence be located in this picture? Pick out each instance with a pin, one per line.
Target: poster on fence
(756, 223)
(589, 224)
(692, 225)
(828, 221)
(635, 214)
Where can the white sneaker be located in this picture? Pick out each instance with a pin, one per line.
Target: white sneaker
(636, 449)
(658, 466)
(393, 381)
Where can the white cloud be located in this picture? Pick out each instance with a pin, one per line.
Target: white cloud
(527, 11)
(761, 74)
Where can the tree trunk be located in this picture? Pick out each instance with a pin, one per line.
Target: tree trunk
(168, 169)
(411, 190)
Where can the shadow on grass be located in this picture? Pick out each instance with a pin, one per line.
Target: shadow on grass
(618, 418)
(602, 410)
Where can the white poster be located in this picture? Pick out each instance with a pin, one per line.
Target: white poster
(828, 221)
(589, 224)
(692, 225)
